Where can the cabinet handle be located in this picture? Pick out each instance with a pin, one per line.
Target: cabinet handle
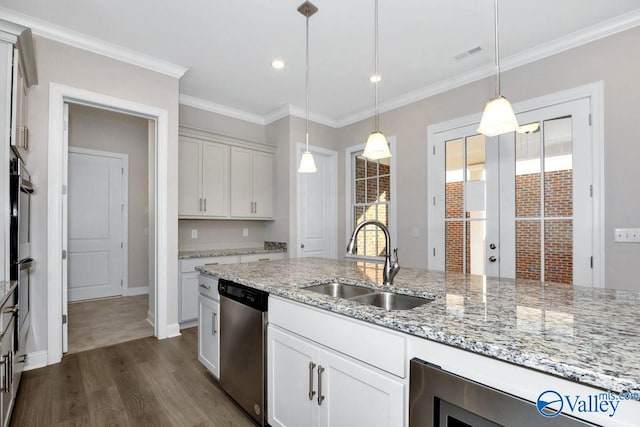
(255, 207)
(320, 396)
(205, 204)
(263, 259)
(200, 205)
(205, 286)
(312, 392)
(213, 324)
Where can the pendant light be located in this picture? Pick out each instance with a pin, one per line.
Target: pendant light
(498, 117)
(377, 146)
(307, 164)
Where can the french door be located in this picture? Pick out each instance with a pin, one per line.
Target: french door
(518, 205)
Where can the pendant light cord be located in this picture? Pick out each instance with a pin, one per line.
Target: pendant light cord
(307, 83)
(497, 48)
(377, 77)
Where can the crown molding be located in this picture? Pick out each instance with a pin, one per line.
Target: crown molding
(277, 114)
(561, 44)
(92, 44)
(203, 104)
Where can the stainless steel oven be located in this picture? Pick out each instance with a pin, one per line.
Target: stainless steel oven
(21, 262)
(441, 399)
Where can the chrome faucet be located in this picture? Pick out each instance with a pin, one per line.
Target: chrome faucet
(391, 267)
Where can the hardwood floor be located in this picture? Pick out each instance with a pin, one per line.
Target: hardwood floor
(98, 323)
(145, 382)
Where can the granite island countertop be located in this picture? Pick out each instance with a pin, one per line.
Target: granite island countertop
(206, 253)
(588, 335)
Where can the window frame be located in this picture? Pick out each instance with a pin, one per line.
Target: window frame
(350, 202)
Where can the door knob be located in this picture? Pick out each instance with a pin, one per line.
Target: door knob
(492, 246)
(492, 259)
(302, 245)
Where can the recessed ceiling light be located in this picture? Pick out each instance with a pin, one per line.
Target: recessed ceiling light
(278, 64)
(375, 78)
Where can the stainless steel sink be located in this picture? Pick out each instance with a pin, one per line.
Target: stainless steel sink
(386, 300)
(339, 290)
(391, 301)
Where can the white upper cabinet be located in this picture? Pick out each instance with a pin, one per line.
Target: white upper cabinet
(224, 177)
(251, 183)
(203, 179)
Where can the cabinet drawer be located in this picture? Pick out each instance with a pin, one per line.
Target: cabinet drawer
(371, 344)
(187, 265)
(261, 257)
(208, 286)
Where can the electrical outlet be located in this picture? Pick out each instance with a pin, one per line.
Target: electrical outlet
(194, 233)
(245, 232)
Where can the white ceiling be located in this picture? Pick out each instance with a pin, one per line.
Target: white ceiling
(228, 45)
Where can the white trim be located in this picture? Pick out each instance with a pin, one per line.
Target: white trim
(594, 92)
(348, 173)
(125, 212)
(314, 117)
(561, 44)
(58, 95)
(138, 290)
(93, 44)
(333, 191)
(151, 319)
(202, 104)
(173, 330)
(35, 360)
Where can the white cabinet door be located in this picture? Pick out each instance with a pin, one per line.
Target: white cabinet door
(241, 182)
(356, 395)
(189, 177)
(263, 184)
(189, 296)
(344, 392)
(291, 377)
(215, 179)
(208, 336)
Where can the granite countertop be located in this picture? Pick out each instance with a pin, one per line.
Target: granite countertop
(588, 335)
(225, 252)
(6, 288)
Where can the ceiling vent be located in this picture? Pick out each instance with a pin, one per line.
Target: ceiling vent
(466, 53)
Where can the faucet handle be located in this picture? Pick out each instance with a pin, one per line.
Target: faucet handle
(395, 255)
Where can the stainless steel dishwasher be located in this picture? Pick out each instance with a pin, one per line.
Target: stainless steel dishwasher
(243, 326)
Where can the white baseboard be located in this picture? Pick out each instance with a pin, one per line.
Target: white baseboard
(35, 360)
(173, 330)
(131, 292)
(189, 324)
(151, 318)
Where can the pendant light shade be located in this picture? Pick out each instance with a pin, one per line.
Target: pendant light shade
(377, 146)
(307, 164)
(498, 117)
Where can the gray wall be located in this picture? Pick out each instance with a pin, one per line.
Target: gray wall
(214, 122)
(104, 130)
(612, 60)
(81, 69)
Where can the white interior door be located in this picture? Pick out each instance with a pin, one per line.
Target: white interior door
(518, 205)
(96, 241)
(317, 216)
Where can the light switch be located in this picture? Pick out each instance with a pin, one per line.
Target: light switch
(626, 235)
(245, 232)
(194, 233)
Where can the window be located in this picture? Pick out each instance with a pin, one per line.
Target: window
(370, 196)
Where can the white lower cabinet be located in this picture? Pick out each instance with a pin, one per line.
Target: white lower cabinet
(311, 385)
(208, 334)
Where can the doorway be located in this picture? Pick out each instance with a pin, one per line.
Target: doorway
(520, 205)
(317, 205)
(107, 228)
(159, 213)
